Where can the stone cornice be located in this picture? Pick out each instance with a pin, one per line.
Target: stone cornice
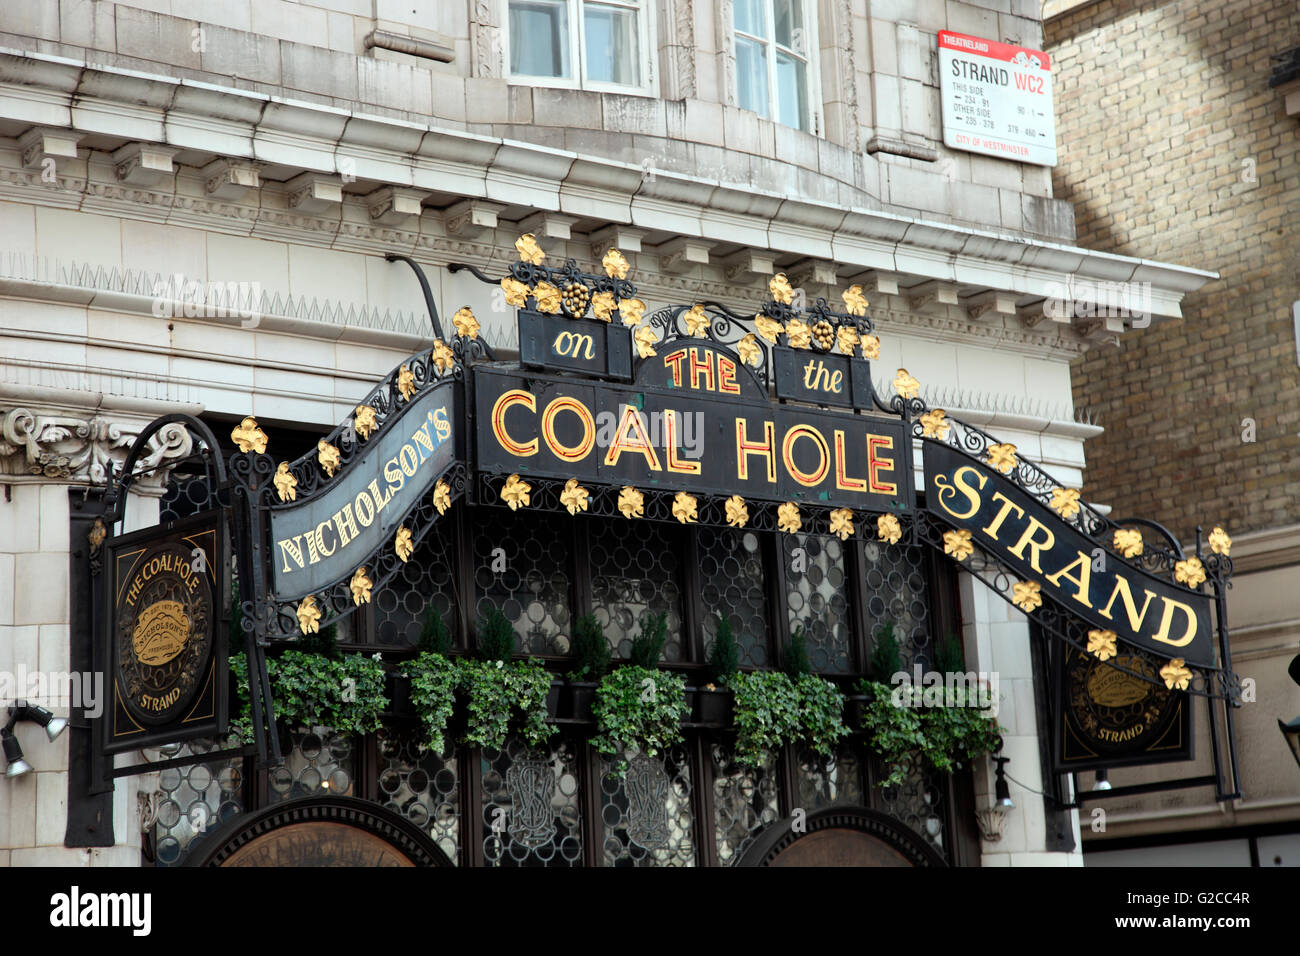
(185, 115)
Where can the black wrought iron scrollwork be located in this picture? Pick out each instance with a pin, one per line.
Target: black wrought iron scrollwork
(396, 390)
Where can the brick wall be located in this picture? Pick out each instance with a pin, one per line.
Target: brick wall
(1174, 148)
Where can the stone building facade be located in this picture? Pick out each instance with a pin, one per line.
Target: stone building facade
(1174, 141)
(159, 153)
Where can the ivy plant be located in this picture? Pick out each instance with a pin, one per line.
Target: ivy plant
(434, 680)
(773, 709)
(498, 690)
(767, 713)
(345, 694)
(639, 707)
(944, 736)
(821, 713)
(958, 733)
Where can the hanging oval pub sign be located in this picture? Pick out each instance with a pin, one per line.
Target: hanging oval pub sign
(164, 613)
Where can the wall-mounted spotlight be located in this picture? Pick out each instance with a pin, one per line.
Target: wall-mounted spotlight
(1002, 789)
(53, 725)
(992, 818)
(1103, 780)
(13, 752)
(13, 755)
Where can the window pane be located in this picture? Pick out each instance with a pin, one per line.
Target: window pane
(791, 91)
(531, 804)
(539, 38)
(817, 599)
(788, 21)
(733, 583)
(527, 578)
(751, 76)
(633, 578)
(751, 16)
(612, 52)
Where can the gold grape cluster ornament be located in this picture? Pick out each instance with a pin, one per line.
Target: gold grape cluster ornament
(786, 320)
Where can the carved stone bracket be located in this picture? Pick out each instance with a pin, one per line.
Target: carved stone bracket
(147, 806)
(76, 447)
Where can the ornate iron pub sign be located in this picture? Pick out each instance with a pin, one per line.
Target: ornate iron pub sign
(166, 655)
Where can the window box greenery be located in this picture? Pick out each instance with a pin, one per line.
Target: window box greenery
(639, 705)
(898, 722)
(497, 691)
(774, 708)
(344, 693)
(433, 681)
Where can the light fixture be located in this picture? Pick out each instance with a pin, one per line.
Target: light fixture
(13, 755)
(992, 818)
(53, 725)
(1103, 780)
(37, 715)
(1001, 789)
(1291, 731)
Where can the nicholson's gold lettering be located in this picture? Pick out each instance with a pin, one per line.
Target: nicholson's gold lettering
(364, 508)
(319, 535)
(408, 469)
(346, 524)
(291, 548)
(441, 424)
(393, 474)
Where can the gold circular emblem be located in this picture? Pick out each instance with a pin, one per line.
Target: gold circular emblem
(165, 624)
(161, 632)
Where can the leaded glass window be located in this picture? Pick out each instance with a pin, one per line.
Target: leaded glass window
(425, 581)
(895, 580)
(646, 809)
(531, 806)
(634, 576)
(422, 786)
(316, 763)
(522, 565)
(827, 781)
(818, 598)
(745, 802)
(732, 581)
